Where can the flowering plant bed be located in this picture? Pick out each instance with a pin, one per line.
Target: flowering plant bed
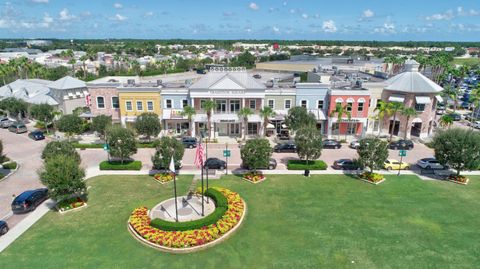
(459, 179)
(254, 177)
(189, 240)
(373, 178)
(71, 204)
(163, 178)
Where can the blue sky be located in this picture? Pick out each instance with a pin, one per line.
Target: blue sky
(457, 20)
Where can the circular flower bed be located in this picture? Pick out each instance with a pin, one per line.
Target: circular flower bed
(458, 179)
(139, 223)
(164, 177)
(374, 178)
(254, 176)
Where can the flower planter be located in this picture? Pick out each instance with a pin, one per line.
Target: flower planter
(371, 182)
(460, 182)
(366, 175)
(61, 211)
(254, 178)
(163, 178)
(255, 182)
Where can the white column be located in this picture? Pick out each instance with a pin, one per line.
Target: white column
(329, 130)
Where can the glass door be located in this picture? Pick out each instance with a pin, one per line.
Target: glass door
(234, 129)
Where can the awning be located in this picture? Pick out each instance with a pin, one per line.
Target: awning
(422, 99)
(439, 98)
(396, 98)
(173, 114)
(255, 118)
(227, 117)
(270, 126)
(319, 114)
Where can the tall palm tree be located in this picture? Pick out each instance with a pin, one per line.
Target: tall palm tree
(189, 112)
(266, 112)
(408, 112)
(446, 121)
(84, 58)
(394, 107)
(243, 114)
(382, 111)
(208, 106)
(453, 94)
(475, 100)
(339, 112)
(72, 62)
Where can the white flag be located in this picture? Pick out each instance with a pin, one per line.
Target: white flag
(172, 165)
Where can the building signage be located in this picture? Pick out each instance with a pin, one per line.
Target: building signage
(226, 92)
(176, 114)
(227, 120)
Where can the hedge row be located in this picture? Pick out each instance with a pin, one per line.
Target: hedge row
(99, 146)
(302, 165)
(221, 207)
(117, 165)
(10, 166)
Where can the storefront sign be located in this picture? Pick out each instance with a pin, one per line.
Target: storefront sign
(226, 92)
(176, 114)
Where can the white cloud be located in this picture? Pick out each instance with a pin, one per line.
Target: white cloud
(387, 28)
(47, 18)
(305, 16)
(148, 14)
(329, 26)
(65, 15)
(473, 12)
(316, 16)
(40, 1)
(253, 6)
(368, 13)
(117, 5)
(293, 11)
(284, 3)
(248, 29)
(118, 17)
(276, 29)
(448, 15)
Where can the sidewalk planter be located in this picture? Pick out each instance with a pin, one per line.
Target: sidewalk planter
(254, 177)
(69, 205)
(117, 165)
(11, 167)
(302, 165)
(372, 178)
(187, 237)
(163, 178)
(463, 180)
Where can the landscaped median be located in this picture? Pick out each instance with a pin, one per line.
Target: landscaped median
(302, 165)
(373, 178)
(183, 237)
(118, 165)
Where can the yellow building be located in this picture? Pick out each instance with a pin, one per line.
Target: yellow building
(137, 100)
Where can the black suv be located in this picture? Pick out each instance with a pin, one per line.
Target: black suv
(401, 144)
(285, 147)
(29, 200)
(331, 144)
(272, 164)
(215, 163)
(189, 142)
(3, 227)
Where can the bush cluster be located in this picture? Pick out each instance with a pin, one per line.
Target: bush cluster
(117, 165)
(302, 165)
(10, 166)
(221, 207)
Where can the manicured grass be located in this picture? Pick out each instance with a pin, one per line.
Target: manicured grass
(325, 221)
(302, 165)
(466, 61)
(118, 165)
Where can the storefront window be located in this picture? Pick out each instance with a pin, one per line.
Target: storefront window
(234, 106)
(252, 128)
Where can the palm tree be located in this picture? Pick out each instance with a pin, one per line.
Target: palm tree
(208, 106)
(394, 107)
(453, 94)
(266, 112)
(408, 112)
(189, 112)
(243, 114)
(382, 111)
(446, 121)
(339, 112)
(83, 58)
(475, 100)
(72, 62)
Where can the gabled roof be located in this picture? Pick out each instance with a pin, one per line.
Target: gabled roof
(227, 79)
(412, 81)
(67, 82)
(42, 99)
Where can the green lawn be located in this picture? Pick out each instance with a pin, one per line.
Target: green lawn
(466, 61)
(292, 222)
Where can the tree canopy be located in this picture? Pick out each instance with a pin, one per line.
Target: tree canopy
(256, 153)
(70, 124)
(372, 153)
(63, 148)
(299, 117)
(101, 123)
(121, 142)
(63, 177)
(148, 124)
(309, 143)
(165, 147)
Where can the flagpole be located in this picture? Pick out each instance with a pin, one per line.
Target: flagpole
(206, 157)
(201, 167)
(172, 169)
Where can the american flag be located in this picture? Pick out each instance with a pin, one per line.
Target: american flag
(199, 156)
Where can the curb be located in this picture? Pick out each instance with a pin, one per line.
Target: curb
(11, 172)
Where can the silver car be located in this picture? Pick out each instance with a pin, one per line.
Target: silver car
(5, 122)
(429, 163)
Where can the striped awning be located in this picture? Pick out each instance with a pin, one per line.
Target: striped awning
(422, 100)
(396, 98)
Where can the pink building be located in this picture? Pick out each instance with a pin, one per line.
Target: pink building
(104, 100)
(356, 103)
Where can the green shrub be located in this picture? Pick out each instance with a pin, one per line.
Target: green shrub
(86, 146)
(145, 145)
(10, 166)
(221, 207)
(301, 165)
(117, 165)
(2, 175)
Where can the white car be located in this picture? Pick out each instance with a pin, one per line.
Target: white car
(354, 144)
(476, 124)
(429, 163)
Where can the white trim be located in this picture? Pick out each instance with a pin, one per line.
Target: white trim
(171, 104)
(118, 99)
(136, 105)
(104, 105)
(338, 100)
(285, 103)
(350, 100)
(131, 105)
(153, 105)
(361, 100)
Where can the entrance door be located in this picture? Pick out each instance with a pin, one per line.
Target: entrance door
(396, 127)
(234, 129)
(222, 129)
(416, 129)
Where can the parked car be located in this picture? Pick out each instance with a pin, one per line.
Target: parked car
(17, 128)
(429, 163)
(189, 142)
(3, 227)
(36, 135)
(257, 76)
(395, 165)
(354, 144)
(285, 147)
(331, 144)
(215, 163)
(272, 164)
(5, 122)
(401, 144)
(345, 164)
(29, 200)
(476, 124)
(455, 116)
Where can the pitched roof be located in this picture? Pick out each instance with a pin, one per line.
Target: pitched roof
(228, 78)
(412, 81)
(67, 82)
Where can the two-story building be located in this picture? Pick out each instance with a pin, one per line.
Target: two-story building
(231, 89)
(313, 97)
(354, 121)
(416, 91)
(103, 99)
(174, 99)
(280, 99)
(137, 99)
